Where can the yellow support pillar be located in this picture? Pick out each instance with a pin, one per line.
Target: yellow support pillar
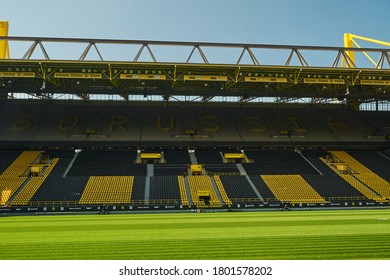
(348, 43)
(4, 49)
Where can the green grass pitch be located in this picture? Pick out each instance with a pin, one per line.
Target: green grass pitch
(333, 234)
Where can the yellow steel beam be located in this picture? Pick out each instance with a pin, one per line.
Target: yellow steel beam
(349, 42)
(366, 54)
(4, 49)
(370, 40)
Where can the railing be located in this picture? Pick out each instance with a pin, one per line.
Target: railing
(157, 202)
(217, 173)
(51, 203)
(347, 198)
(171, 201)
(59, 203)
(246, 200)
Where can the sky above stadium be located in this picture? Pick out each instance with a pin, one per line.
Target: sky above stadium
(286, 22)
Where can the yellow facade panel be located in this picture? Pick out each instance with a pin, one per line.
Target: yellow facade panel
(150, 156)
(203, 193)
(142, 77)
(68, 75)
(196, 168)
(341, 167)
(205, 78)
(324, 81)
(17, 74)
(265, 80)
(234, 156)
(375, 82)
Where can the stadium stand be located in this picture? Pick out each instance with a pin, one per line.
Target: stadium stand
(58, 190)
(9, 185)
(64, 160)
(138, 190)
(21, 164)
(110, 163)
(12, 178)
(238, 188)
(165, 190)
(208, 156)
(354, 181)
(177, 156)
(183, 191)
(292, 188)
(364, 175)
(262, 188)
(281, 175)
(6, 158)
(169, 169)
(200, 184)
(333, 188)
(374, 161)
(225, 198)
(108, 138)
(107, 190)
(222, 169)
(314, 157)
(277, 162)
(32, 185)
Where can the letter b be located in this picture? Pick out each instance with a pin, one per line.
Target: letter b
(23, 123)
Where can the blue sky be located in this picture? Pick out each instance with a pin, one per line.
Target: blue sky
(299, 22)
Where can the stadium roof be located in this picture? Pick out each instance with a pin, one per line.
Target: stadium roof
(246, 77)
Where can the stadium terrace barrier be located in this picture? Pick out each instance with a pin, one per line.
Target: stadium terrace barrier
(128, 208)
